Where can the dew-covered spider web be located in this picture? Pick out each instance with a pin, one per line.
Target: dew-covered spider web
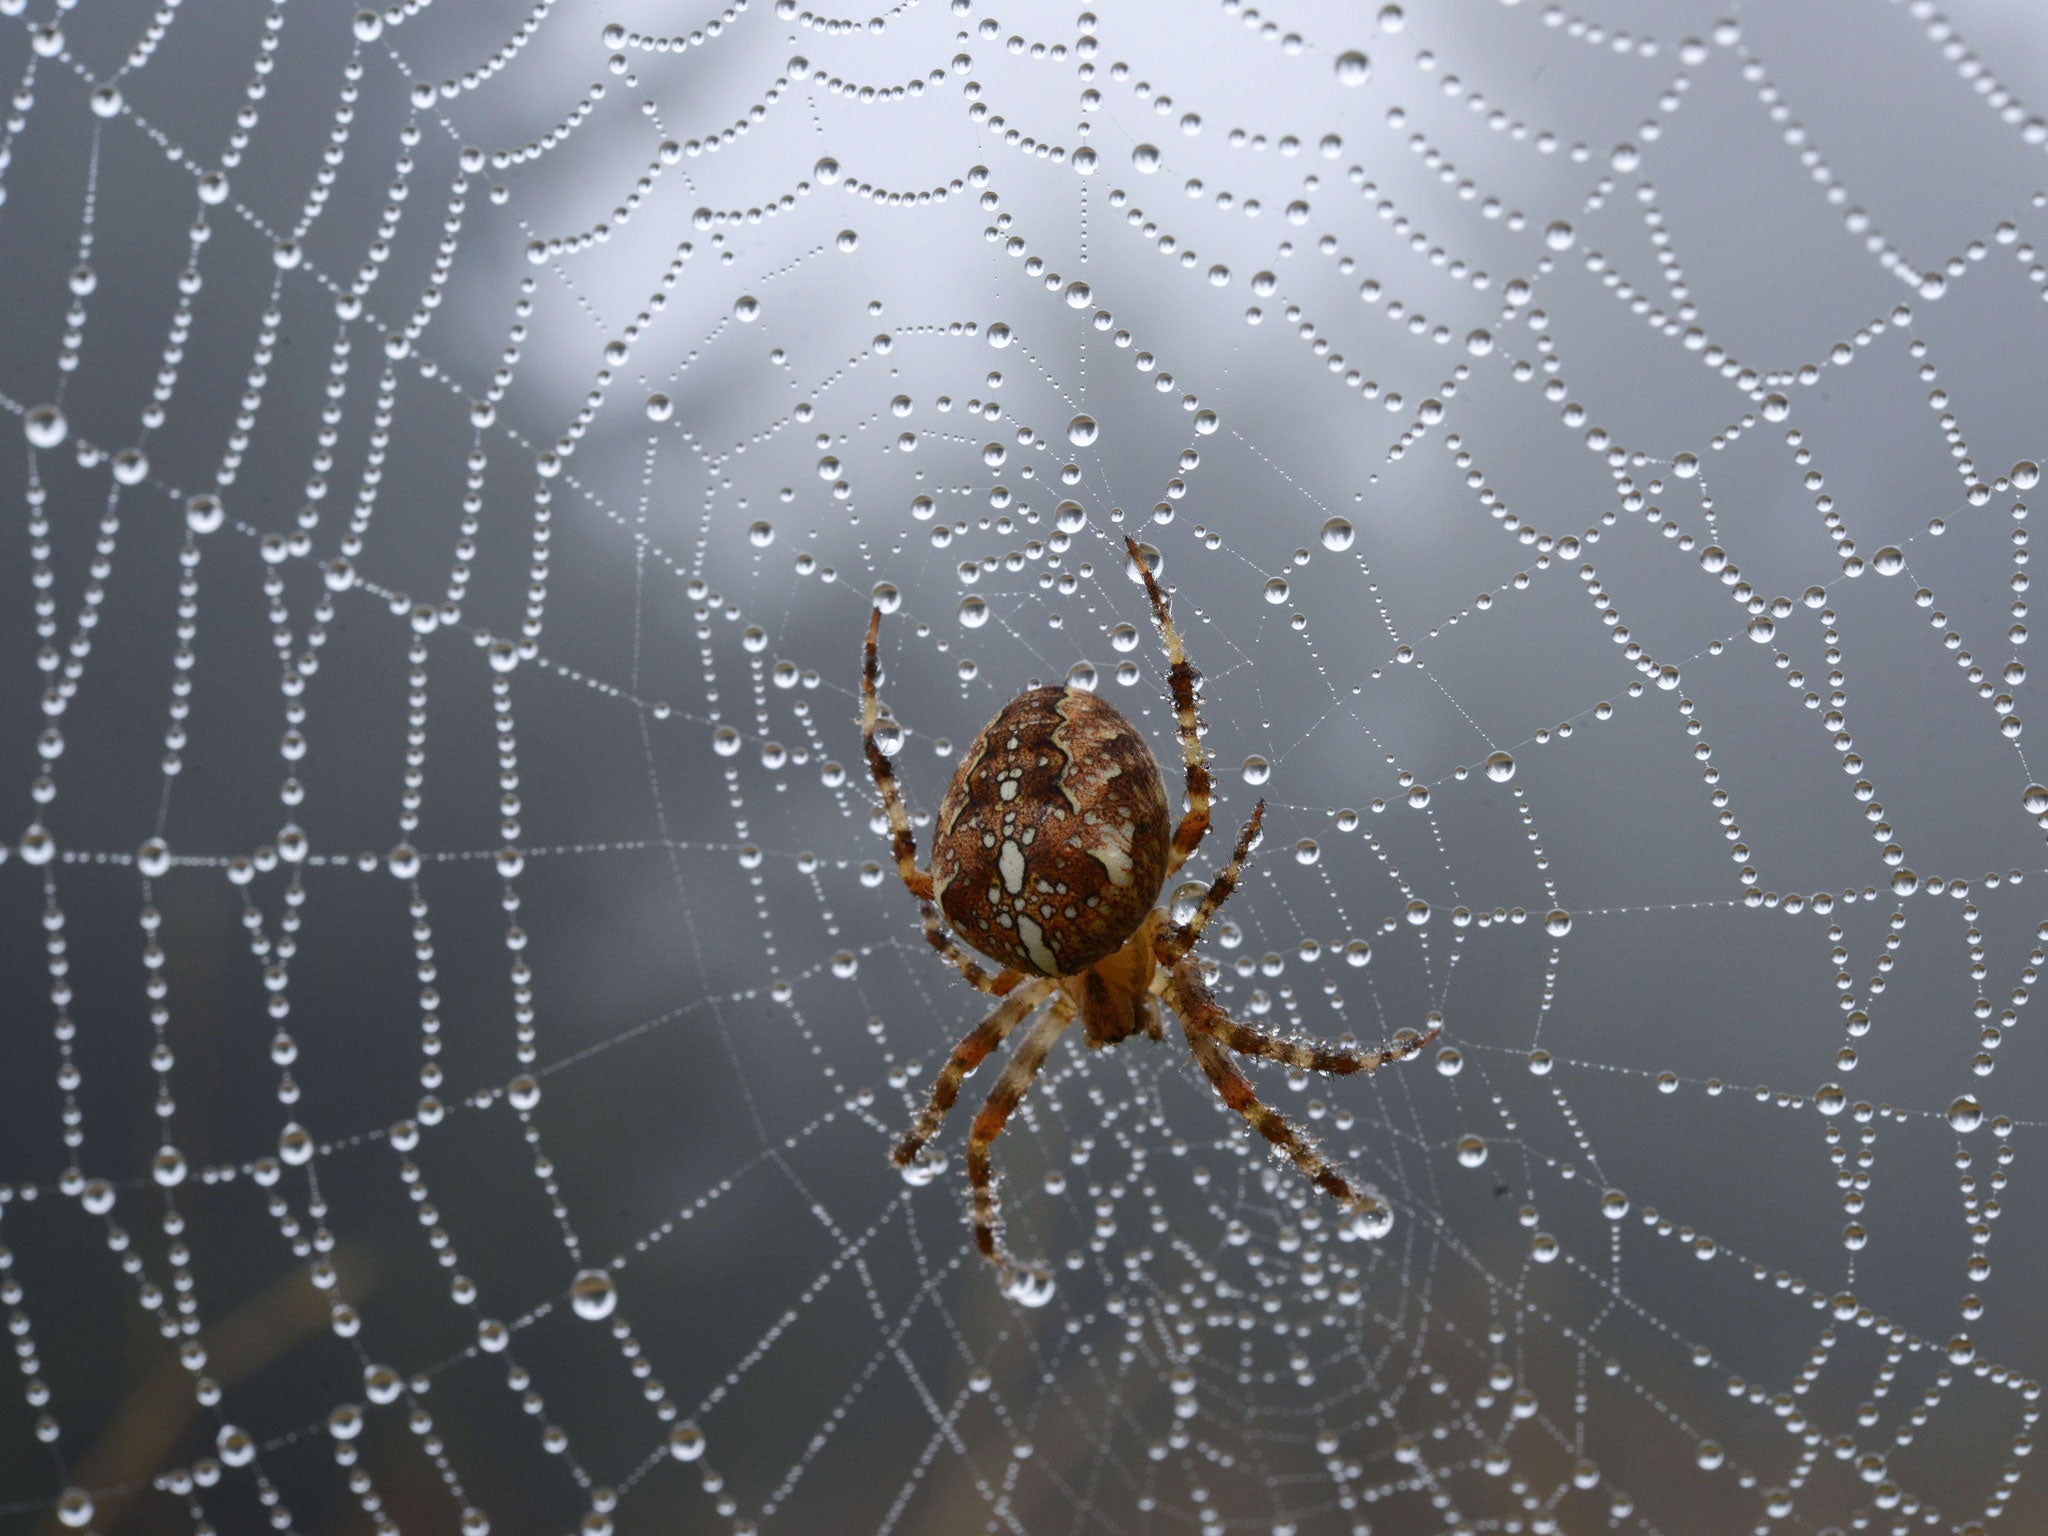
(459, 1000)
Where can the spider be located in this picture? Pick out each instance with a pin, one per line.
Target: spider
(1048, 856)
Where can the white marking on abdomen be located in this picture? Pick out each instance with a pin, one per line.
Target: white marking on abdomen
(1034, 946)
(1011, 862)
(1116, 857)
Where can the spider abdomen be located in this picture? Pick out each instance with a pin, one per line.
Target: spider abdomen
(1052, 841)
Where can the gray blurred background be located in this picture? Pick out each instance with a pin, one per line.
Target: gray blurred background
(458, 1004)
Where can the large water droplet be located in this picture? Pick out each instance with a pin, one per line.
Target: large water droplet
(592, 1295)
(1028, 1287)
(45, 426)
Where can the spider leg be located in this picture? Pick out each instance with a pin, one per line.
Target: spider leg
(1182, 938)
(1202, 1020)
(915, 880)
(1316, 1055)
(988, 1125)
(1180, 677)
(970, 1053)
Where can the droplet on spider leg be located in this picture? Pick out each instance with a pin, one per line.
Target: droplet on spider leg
(1372, 1220)
(923, 1168)
(1186, 898)
(1031, 1287)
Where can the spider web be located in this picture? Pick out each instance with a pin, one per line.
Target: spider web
(459, 1002)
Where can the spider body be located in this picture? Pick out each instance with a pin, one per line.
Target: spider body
(1049, 853)
(1052, 841)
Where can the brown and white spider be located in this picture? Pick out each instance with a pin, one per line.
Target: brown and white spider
(1048, 856)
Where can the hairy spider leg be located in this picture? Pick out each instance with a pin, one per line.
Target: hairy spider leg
(988, 1124)
(1182, 937)
(970, 1053)
(1180, 677)
(1315, 1055)
(1204, 1023)
(915, 880)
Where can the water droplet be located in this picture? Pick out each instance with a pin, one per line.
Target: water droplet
(592, 1295)
(1353, 68)
(1471, 1151)
(74, 1508)
(1500, 767)
(1257, 770)
(848, 240)
(1079, 295)
(761, 535)
(746, 307)
(1372, 1220)
(45, 426)
(1084, 161)
(1889, 561)
(1028, 1287)
(403, 861)
(1081, 432)
(1965, 1114)
(1614, 1205)
(1338, 534)
(973, 613)
(1357, 952)
(1762, 629)
(1276, 590)
(686, 1441)
(154, 858)
(1069, 517)
(660, 407)
(106, 100)
(1307, 852)
(168, 1167)
(1557, 923)
(1559, 235)
(1145, 157)
(235, 1446)
(204, 514)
